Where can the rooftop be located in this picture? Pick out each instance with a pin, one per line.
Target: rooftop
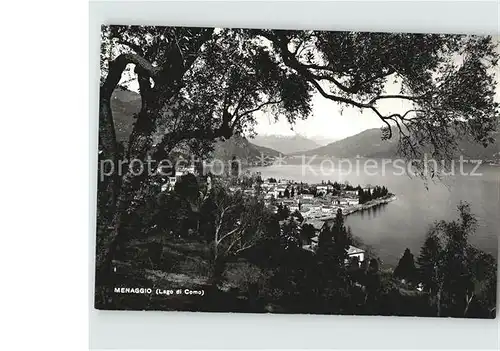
(354, 250)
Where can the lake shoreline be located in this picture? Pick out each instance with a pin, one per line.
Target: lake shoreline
(370, 204)
(361, 207)
(390, 229)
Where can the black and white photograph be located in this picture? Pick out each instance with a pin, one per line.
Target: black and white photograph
(298, 172)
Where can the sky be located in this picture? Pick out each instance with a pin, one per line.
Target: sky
(326, 121)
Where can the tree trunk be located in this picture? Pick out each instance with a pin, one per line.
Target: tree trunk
(167, 83)
(218, 270)
(438, 300)
(467, 303)
(109, 154)
(134, 185)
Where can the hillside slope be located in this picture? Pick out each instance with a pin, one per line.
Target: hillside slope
(239, 147)
(285, 144)
(364, 144)
(124, 105)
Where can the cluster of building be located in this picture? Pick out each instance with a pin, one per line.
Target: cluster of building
(311, 200)
(315, 202)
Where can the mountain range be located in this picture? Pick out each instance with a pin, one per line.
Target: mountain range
(124, 105)
(239, 147)
(369, 144)
(286, 144)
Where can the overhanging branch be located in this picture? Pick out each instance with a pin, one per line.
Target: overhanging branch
(311, 72)
(117, 66)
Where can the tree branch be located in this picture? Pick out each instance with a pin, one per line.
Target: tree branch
(117, 66)
(335, 82)
(290, 60)
(244, 248)
(402, 97)
(228, 234)
(239, 117)
(138, 49)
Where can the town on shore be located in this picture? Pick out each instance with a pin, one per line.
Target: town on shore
(314, 204)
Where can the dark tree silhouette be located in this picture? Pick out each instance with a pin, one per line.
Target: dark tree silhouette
(428, 261)
(341, 239)
(373, 286)
(307, 233)
(283, 212)
(406, 267)
(298, 215)
(235, 167)
(287, 193)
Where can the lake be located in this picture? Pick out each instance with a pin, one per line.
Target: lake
(401, 224)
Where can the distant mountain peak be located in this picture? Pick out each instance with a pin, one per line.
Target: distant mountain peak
(286, 144)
